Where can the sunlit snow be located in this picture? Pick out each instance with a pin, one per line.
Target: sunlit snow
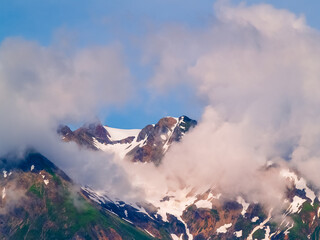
(3, 193)
(238, 233)
(224, 228)
(119, 134)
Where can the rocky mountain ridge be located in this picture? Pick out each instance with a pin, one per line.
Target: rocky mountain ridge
(146, 145)
(51, 204)
(39, 201)
(211, 215)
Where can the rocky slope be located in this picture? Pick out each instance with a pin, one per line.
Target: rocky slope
(39, 201)
(37, 195)
(187, 214)
(211, 215)
(146, 145)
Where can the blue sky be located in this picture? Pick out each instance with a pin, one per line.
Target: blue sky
(100, 22)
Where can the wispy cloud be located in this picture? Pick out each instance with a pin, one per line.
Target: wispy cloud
(40, 87)
(256, 67)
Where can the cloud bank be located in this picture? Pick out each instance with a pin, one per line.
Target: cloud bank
(257, 67)
(259, 70)
(41, 87)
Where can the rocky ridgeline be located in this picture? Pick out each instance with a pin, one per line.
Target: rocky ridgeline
(39, 201)
(210, 215)
(148, 145)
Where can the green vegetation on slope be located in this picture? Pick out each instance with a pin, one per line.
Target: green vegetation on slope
(63, 215)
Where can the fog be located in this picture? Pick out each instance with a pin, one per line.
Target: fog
(257, 68)
(42, 87)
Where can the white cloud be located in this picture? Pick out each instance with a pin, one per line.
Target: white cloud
(259, 69)
(40, 87)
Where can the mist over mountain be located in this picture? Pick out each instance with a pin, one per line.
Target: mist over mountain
(157, 203)
(247, 168)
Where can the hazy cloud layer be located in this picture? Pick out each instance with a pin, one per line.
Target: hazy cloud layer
(259, 69)
(40, 87)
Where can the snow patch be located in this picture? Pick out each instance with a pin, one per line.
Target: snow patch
(175, 237)
(170, 132)
(176, 204)
(119, 134)
(204, 204)
(190, 237)
(149, 233)
(224, 228)
(295, 205)
(163, 137)
(286, 232)
(31, 168)
(179, 200)
(119, 149)
(94, 199)
(244, 204)
(254, 219)
(4, 173)
(99, 196)
(46, 181)
(3, 193)
(300, 184)
(267, 235)
(261, 226)
(238, 233)
(128, 221)
(217, 196)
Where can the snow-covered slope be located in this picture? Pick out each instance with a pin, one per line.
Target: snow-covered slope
(117, 134)
(118, 147)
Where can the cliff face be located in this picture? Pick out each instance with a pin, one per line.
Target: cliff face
(158, 138)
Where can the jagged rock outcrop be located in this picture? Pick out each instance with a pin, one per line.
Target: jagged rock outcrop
(146, 145)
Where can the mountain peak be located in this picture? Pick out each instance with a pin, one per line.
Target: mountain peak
(146, 145)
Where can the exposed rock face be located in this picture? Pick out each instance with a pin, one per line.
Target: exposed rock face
(84, 135)
(148, 145)
(184, 215)
(212, 216)
(44, 200)
(159, 137)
